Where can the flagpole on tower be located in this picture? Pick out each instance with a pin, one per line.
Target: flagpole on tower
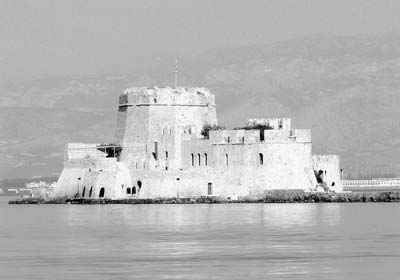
(176, 73)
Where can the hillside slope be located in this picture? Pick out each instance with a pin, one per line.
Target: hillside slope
(346, 89)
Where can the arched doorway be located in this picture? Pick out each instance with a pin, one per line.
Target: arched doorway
(101, 193)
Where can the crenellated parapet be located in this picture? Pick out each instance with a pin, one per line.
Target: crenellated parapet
(167, 96)
(252, 136)
(273, 123)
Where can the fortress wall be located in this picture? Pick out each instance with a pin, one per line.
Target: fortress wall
(167, 96)
(121, 126)
(283, 165)
(161, 139)
(302, 135)
(134, 125)
(244, 153)
(234, 136)
(195, 118)
(330, 164)
(198, 147)
(80, 151)
(276, 135)
(286, 167)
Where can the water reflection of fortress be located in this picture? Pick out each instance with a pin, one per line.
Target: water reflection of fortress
(168, 144)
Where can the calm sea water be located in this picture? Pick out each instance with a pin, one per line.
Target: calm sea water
(235, 241)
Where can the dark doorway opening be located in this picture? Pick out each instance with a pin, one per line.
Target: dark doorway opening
(101, 193)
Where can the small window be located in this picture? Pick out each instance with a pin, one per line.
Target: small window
(83, 192)
(209, 189)
(139, 183)
(170, 131)
(226, 160)
(261, 134)
(90, 191)
(154, 156)
(101, 193)
(261, 158)
(229, 139)
(243, 139)
(133, 190)
(192, 159)
(199, 159)
(166, 154)
(190, 131)
(205, 159)
(128, 190)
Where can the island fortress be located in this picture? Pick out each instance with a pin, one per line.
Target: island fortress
(168, 144)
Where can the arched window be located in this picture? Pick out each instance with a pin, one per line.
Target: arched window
(90, 192)
(205, 159)
(101, 193)
(128, 190)
(192, 159)
(261, 158)
(133, 190)
(139, 183)
(199, 159)
(83, 192)
(166, 154)
(226, 160)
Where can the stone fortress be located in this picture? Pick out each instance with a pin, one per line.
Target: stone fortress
(168, 144)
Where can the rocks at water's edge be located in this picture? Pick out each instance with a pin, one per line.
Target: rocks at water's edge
(277, 196)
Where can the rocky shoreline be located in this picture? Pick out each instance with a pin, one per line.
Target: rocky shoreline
(278, 196)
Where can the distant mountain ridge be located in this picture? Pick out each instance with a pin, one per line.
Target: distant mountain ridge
(345, 88)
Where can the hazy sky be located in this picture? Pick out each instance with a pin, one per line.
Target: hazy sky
(49, 38)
